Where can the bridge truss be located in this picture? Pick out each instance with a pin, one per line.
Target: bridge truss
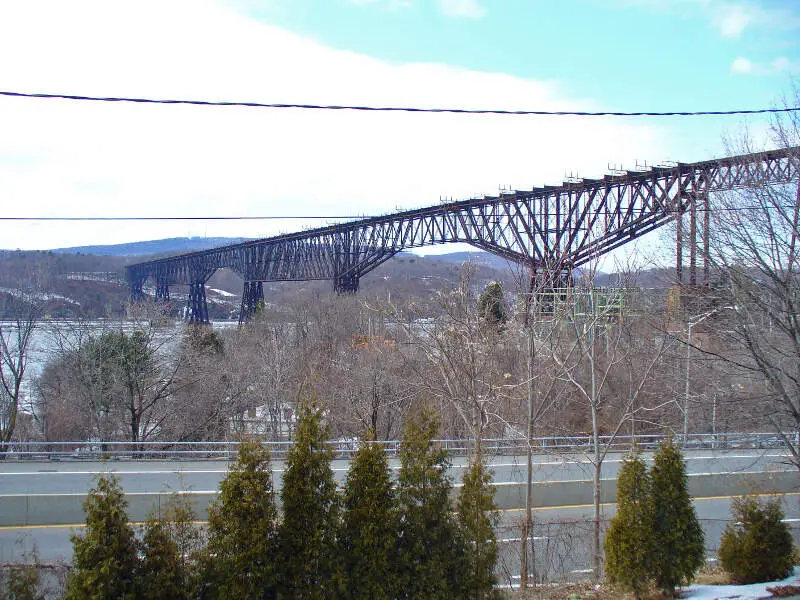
(552, 230)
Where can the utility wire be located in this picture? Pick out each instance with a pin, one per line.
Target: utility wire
(408, 109)
(261, 218)
(338, 217)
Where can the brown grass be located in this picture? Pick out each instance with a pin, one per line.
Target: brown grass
(587, 591)
(579, 591)
(713, 576)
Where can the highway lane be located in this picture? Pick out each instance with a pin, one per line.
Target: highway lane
(71, 477)
(563, 535)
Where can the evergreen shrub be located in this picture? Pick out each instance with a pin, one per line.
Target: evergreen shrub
(679, 550)
(369, 533)
(310, 563)
(757, 545)
(477, 518)
(629, 541)
(431, 548)
(240, 561)
(105, 558)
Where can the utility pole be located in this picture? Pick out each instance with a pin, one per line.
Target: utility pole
(692, 322)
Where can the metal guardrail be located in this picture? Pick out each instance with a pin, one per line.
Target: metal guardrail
(345, 448)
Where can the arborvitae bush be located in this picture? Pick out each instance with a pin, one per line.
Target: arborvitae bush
(477, 518)
(369, 533)
(629, 541)
(161, 575)
(105, 557)
(679, 550)
(310, 563)
(22, 582)
(431, 549)
(242, 524)
(180, 517)
(757, 545)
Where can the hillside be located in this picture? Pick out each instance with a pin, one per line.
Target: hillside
(165, 246)
(72, 283)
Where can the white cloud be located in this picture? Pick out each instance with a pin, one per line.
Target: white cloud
(107, 159)
(743, 66)
(731, 19)
(781, 64)
(462, 8)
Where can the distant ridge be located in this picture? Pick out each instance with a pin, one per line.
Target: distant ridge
(181, 244)
(477, 256)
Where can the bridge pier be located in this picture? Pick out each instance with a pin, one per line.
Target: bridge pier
(699, 201)
(252, 300)
(162, 290)
(346, 284)
(197, 306)
(137, 295)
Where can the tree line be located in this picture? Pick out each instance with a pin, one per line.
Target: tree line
(376, 538)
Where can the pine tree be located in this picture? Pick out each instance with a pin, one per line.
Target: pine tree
(431, 548)
(757, 545)
(680, 546)
(477, 519)
(242, 523)
(490, 304)
(161, 575)
(309, 559)
(180, 517)
(369, 533)
(629, 540)
(105, 557)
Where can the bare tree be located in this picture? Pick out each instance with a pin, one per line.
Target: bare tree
(755, 247)
(463, 350)
(593, 347)
(15, 340)
(120, 378)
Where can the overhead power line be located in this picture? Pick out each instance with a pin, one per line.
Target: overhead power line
(334, 217)
(407, 109)
(256, 218)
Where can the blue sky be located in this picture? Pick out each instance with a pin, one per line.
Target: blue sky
(71, 159)
(628, 55)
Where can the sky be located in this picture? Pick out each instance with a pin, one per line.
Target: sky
(63, 158)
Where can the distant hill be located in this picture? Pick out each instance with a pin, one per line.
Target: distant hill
(89, 281)
(169, 245)
(477, 256)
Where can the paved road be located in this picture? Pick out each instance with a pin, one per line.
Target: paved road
(562, 534)
(69, 477)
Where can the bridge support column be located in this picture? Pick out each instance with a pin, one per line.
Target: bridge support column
(137, 295)
(162, 290)
(197, 313)
(252, 300)
(548, 288)
(346, 284)
(699, 202)
(706, 208)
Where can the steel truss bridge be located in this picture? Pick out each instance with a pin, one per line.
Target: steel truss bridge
(552, 230)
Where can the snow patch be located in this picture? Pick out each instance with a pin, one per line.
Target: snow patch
(754, 591)
(220, 292)
(38, 296)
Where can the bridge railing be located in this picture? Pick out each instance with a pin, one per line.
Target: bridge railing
(345, 448)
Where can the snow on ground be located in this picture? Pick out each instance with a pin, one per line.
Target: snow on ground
(220, 292)
(754, 591)
(38, 295)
